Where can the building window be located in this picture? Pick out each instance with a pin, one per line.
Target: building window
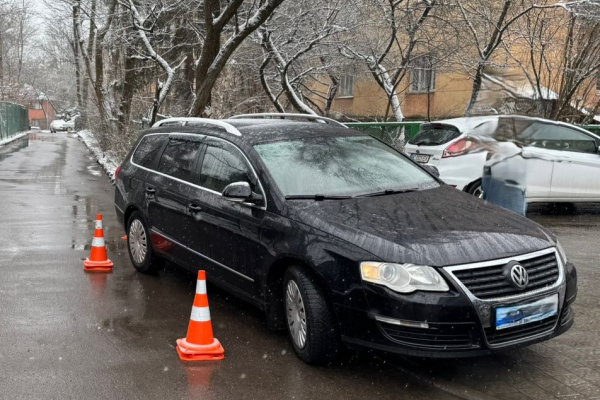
(422, 76)
(346, 88)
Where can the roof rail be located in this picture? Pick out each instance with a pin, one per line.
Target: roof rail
(290, 115)
(191, 121)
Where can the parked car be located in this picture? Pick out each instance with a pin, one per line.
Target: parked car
(457, 147)
(62, 125)
(339, 238)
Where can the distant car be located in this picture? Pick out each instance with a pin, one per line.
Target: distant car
(458, 148)
(62, 125)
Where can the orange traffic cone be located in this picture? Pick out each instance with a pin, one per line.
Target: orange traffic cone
(98, 260)
(200, 345)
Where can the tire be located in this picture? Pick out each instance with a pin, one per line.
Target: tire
(69, 130)
(475, 189)
(304, 299)
(139, 247)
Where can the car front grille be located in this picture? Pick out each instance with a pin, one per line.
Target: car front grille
(495, 337)
(489, 282)
(438, 336)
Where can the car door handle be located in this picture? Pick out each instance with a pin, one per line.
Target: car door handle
(194, 207)
(150, 190)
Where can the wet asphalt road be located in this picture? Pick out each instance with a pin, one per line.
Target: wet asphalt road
(68, 334)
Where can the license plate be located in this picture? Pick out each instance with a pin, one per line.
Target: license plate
(420, 158)
(508, 317)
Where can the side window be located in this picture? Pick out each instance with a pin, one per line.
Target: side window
(224, 164)
(178, 158)
(148, 149)
(556, 137)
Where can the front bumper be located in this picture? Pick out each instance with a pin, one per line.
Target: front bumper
(451, 324)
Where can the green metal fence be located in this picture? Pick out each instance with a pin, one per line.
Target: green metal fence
(592, 128)
(14, 118)
(391, 131)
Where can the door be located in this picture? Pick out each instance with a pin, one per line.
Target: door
(538, 160)
(167, 190)
(226, 234)
(576, 173)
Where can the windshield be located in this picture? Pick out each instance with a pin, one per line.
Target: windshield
(434, 136)
(340, 166)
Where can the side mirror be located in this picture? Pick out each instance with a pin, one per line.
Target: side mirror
(432, 170)
(238, 192)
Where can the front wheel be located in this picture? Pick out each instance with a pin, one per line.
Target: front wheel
(138, 244)
(310, 319)
(475, 189)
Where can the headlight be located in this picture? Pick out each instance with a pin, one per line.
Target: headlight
(561, 252)
(403, 278)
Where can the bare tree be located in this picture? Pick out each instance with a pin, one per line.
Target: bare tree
(294, 42)
(139, 24)
(388, 54)
(487, 24)
(93, 56)
(239, 17)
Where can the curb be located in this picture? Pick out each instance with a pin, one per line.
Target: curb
(106, 170)
(13, 138)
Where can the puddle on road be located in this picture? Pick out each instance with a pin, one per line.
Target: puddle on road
(42, 138)
(94, 171)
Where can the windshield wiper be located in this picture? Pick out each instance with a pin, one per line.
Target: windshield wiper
(388, 191)
(316, 197)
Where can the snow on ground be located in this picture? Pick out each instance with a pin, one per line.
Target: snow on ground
(12, 138)
(107, 160)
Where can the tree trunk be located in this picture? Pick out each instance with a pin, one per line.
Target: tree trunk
(477, 82)
(265, 84)
(155, 104)
(209, 53)
(76, 57)
(214, 57)
(129, 83)
(1, 63)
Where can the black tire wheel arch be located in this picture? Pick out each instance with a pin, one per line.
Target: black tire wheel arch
(323, 342)
(150, 263)
(474, 187)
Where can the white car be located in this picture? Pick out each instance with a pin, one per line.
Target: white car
(563, 160)
(62, 125)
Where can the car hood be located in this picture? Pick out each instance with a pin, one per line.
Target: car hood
(436, 227)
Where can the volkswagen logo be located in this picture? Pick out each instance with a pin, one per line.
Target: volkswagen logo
(519, 276)
(516, 275)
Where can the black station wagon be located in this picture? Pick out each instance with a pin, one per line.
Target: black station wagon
(341, 238)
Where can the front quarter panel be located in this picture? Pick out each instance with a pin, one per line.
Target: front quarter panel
(333, 262)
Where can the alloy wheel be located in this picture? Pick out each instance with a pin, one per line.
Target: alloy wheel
(138, 244)
(296, 314)
(478, 192)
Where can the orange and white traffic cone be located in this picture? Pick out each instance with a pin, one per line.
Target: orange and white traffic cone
(200, 345)
(98, 260)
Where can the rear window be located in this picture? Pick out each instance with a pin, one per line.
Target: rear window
(147, 151)
(434, 135)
